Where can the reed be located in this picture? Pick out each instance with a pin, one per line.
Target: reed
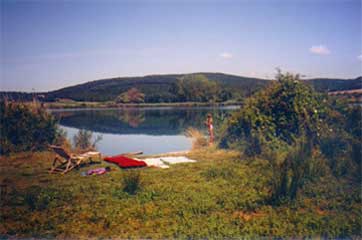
(198, 138)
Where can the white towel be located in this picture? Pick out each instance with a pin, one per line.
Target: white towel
(174, 160)
(164, 162)
(155, 162)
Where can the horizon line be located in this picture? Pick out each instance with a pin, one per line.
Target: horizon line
(165, 74)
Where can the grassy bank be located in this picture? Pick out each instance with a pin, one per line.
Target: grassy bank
(219, 196)
(73, 104)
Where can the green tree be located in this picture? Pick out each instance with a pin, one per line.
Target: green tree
(133, 95)
(198, 88)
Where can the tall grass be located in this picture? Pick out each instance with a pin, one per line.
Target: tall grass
(132, 182)
(198, 138)
(83, 140)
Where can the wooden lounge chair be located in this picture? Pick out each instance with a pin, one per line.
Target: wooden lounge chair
(65, 162)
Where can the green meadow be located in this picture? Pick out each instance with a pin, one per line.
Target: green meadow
(222, 195)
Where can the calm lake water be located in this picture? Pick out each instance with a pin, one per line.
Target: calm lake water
(150, 130)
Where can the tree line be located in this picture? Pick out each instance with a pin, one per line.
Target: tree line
(189, 88)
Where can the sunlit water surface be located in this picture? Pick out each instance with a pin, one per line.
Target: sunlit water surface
(150, 130)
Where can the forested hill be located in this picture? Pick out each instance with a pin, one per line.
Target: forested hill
(168, 88)
(156, 88)
(329, 85)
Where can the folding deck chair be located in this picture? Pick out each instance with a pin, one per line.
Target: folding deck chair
(65, 162)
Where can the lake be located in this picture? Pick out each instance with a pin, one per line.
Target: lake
(150, 130)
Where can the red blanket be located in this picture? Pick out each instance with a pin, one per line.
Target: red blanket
(125, 162)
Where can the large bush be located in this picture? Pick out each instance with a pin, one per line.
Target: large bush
(276, 116)
(25, 127)
(301, 133)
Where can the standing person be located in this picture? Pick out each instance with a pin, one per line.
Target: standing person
(210, 127)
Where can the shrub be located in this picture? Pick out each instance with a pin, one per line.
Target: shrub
(25, 127)
(335, 146)
(275, 117)
(354, 127)
(198, 139)
(62, 140)
(83, 140)
(288, 175)
(132, 182)
(298, 131)
(342, 142)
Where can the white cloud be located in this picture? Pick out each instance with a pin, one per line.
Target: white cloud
(359, 57)
(226, 55)
(320, 50)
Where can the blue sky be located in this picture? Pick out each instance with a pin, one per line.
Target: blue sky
(46, 45)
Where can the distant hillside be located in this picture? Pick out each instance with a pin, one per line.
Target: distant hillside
(154, 87)
(330, 85)
(157, 88)
(161, 88)
(18, 96)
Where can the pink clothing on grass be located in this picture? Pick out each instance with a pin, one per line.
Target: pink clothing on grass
(97, 171)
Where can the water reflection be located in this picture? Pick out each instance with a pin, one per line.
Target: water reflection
(151, 130)
(133, 117)
(160, 121)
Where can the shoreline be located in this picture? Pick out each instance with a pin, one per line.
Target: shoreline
(166, 154)
(111, 105)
